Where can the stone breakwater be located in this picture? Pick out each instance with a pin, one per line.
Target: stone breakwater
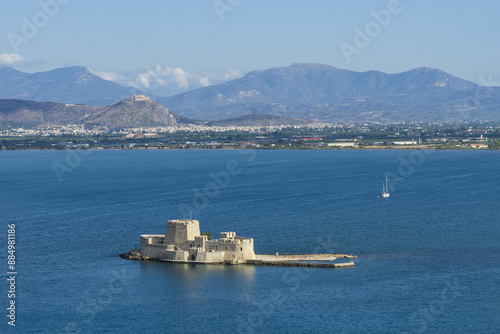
(300, 264)
(272, 260)
(309, 260)
(307, 257)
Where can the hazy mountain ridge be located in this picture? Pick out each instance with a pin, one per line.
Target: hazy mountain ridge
(259, 120)
(76, 85)
(322, 92)
(306, 91)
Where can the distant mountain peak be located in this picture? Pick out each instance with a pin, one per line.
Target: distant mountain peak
(77, 68)
(9, 71)
(73, 84)
(71, 69)
(311, 66)
(295, 68)
(425, 69)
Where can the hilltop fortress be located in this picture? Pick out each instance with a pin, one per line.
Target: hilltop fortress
(183, 242)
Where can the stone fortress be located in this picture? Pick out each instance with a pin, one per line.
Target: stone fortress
(183, 242)
(139, 98)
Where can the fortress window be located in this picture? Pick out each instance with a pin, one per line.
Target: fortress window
(190, 245)
(241, 248)
(226, 248)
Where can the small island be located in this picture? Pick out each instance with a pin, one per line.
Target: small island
(183, 243)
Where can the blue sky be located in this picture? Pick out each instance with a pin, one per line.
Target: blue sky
(185, 44)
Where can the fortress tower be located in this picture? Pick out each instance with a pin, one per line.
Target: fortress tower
(179, 231)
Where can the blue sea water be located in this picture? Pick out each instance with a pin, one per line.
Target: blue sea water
(428, 256)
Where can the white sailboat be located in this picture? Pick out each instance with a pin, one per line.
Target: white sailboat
(385, 189)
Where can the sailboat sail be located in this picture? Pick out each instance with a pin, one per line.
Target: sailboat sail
(385, 189)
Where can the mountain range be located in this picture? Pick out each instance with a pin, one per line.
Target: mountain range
(76, 85)
(305, 91)
(326, 93)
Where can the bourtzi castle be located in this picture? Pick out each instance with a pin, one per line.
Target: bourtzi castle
(183, 242)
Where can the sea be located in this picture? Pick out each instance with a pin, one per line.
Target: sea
(428, 257)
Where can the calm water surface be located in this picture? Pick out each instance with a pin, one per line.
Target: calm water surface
(428, 257)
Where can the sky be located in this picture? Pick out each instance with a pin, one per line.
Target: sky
(169, 46)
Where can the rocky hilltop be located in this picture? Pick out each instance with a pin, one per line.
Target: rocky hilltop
(136, 111)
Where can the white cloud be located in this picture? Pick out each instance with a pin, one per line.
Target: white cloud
(164, 80)
(232, 74)
(9, 59)
(204, 82)
(180, 77)
(144, 79)
(111, 76)
(208, 79)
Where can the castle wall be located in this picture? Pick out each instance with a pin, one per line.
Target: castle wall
(201, 241)
(244, 250)
(177, 255)
(213, 257)
(151, 239)
(239, 249)
(182, 242)
(156, 252)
